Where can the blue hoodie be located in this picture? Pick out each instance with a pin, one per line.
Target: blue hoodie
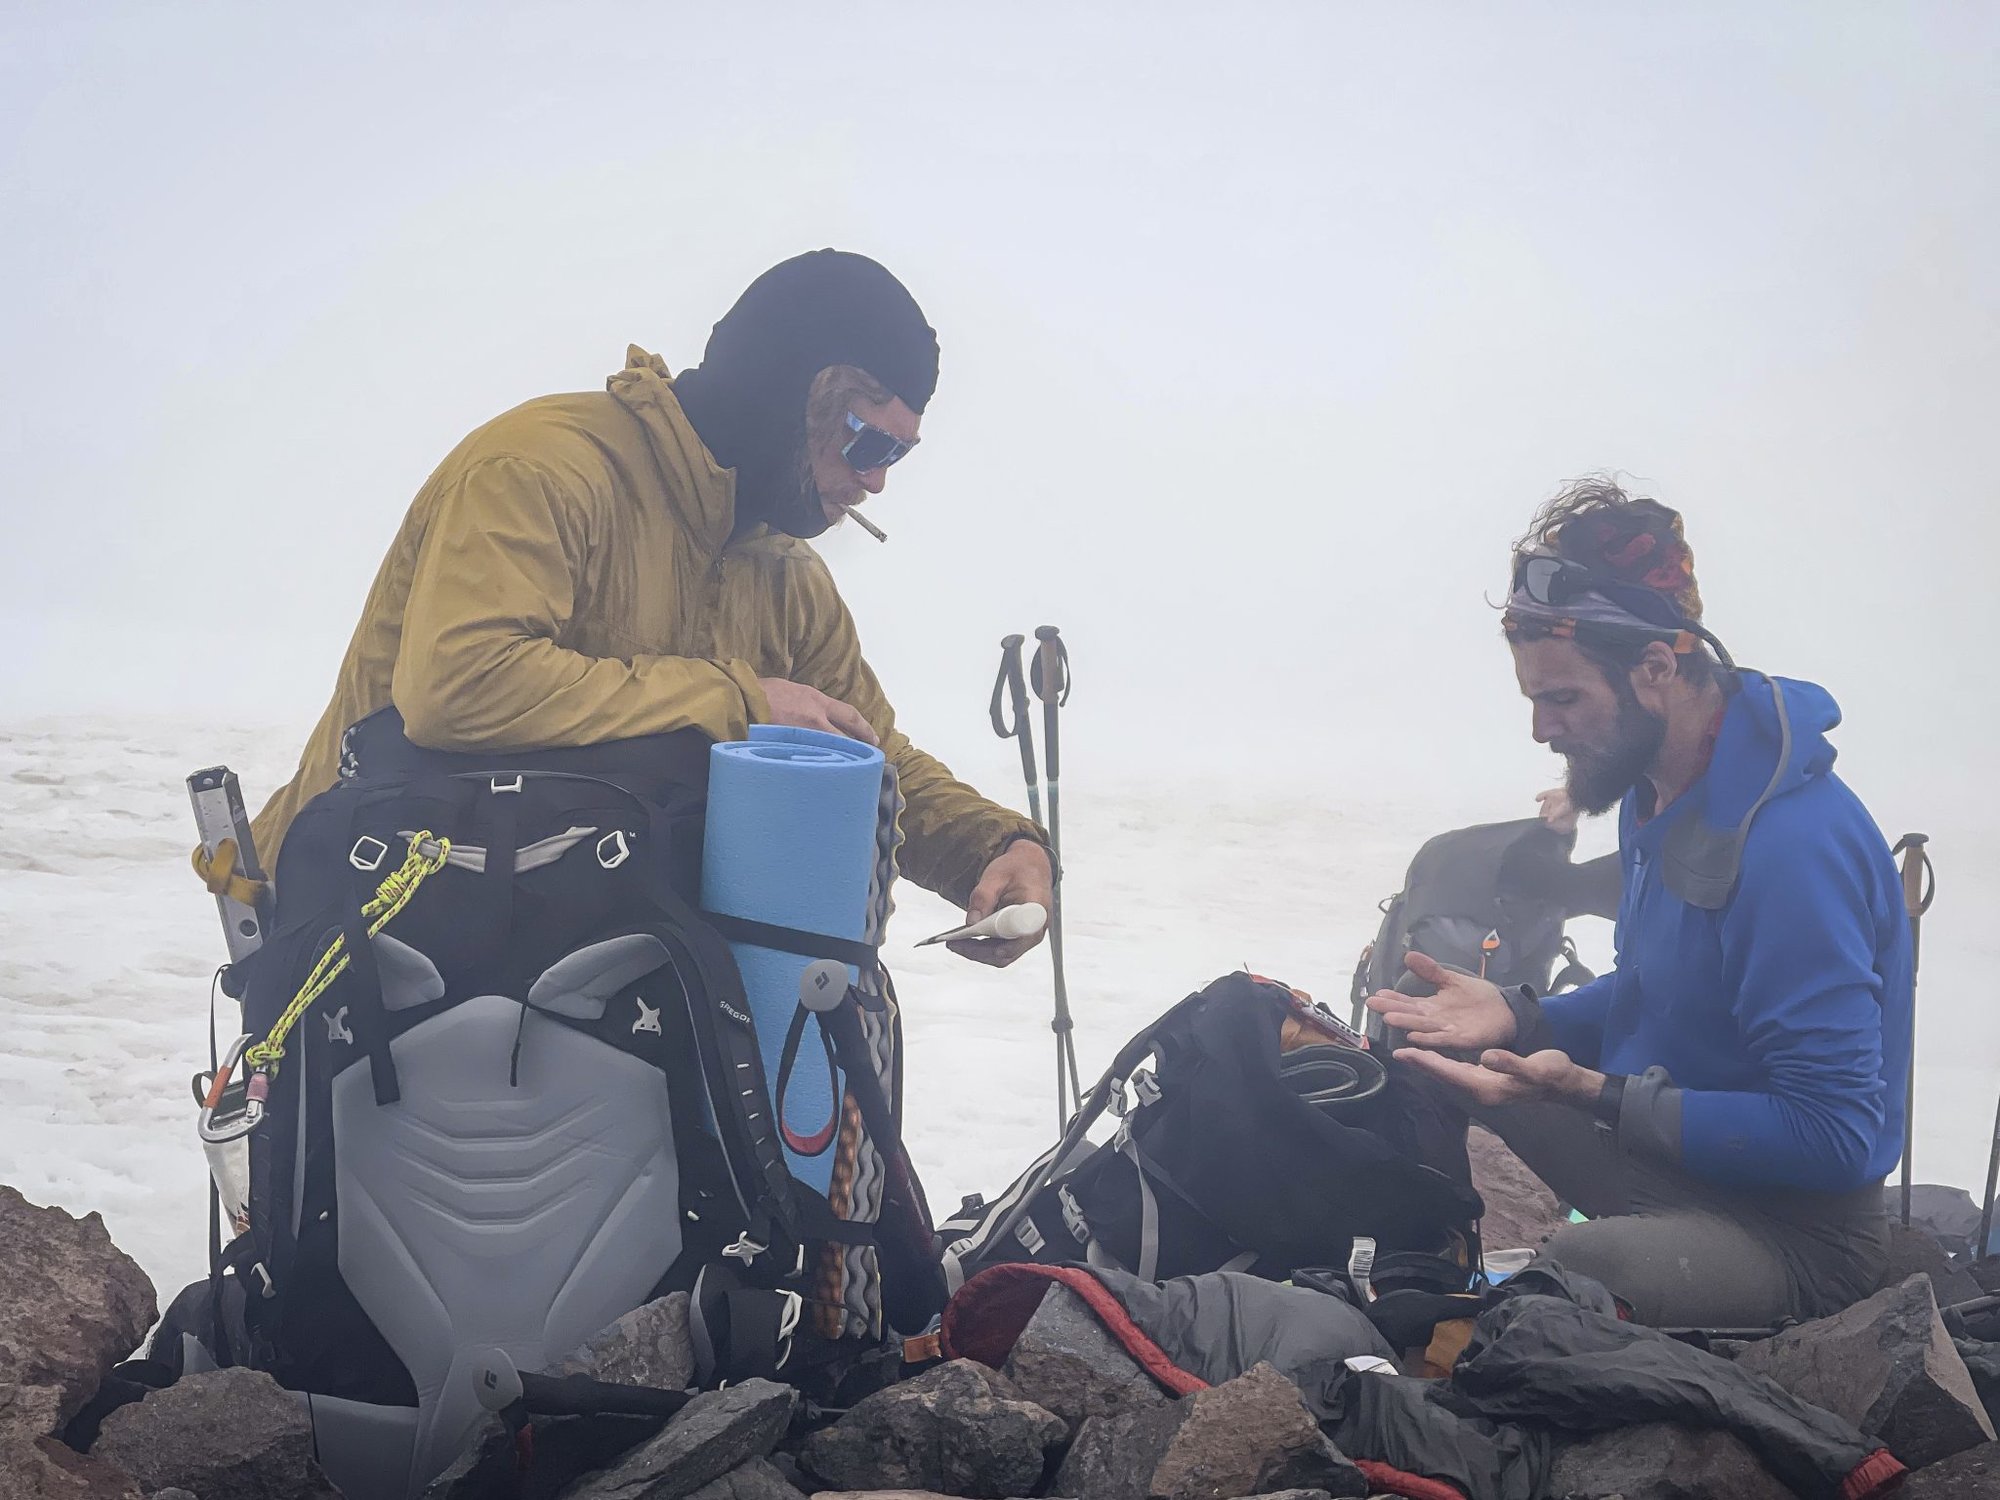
(1781, 1016)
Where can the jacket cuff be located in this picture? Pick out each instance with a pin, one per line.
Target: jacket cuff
(1531, 1027)
(1649, 1117)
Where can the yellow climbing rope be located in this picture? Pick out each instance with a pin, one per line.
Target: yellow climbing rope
(390, 897)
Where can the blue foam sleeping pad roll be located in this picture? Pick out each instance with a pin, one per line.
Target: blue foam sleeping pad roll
(791, 841)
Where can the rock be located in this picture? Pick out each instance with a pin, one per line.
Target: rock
(1249, 1436)
(717, 1432)
(225, 1434)
(173, 1494)
(1291, 1495)
(72, 1304)
(760, 1479)
(47, 1470)
(648, 1346)
(565, 1449)
(1659, 1461)
(1971, 1475)
(1888, 1366)
(1914, 1252)
(960, 1428)
(1520, 1210)
(1066, 1362)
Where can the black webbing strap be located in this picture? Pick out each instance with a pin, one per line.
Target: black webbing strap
(793, 940)
(817, 1143)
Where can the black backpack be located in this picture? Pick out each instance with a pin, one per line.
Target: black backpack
(1265, 1138)
(1490, 900)
(477, 1096)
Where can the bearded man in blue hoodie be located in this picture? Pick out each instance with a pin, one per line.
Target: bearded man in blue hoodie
(1725, 1102)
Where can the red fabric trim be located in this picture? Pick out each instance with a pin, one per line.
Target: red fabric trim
(1384, 1479)
(987, 1316)
(1877, 1474)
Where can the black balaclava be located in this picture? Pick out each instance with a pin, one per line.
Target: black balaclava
(747, 397)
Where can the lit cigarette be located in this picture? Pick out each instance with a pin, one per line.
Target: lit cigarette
(867, 525)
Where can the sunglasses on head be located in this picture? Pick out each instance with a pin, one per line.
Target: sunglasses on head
(871, 447)
(1558, 583)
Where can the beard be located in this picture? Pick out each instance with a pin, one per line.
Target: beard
(1599, 776)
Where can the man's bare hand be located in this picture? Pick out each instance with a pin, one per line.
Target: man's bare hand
(1465, 1015)
(805, 707)
(1021, 873)
(1501, 1077)
(1557, 809)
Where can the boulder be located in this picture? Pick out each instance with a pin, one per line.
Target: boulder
(47, 1470)
(1915, 1252)
(715, 1434)
(1065, 1362)
(225, 1434)
(1249, 1436)
(1971, 1475)
(1659, 1461)
(565, 1449)
(648, 1346)
(960, 1428)
(1520, 1210)
(72, 1304)
(173, 1494)
(1888, 1366)
(760, 1479)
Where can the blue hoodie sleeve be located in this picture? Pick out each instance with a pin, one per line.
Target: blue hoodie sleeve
(1798, 955)
(1574, 1020)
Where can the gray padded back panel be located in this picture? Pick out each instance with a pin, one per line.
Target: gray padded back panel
(474, 1214)
(364, 1449)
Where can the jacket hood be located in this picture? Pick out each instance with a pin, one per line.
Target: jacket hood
(1763, 752)
(702, 492)
(1773, 741)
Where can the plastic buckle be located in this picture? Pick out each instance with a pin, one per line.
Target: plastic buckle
(1146, 1088)
(621, 849)
(355, 858)
(745, 1249)
(788, 1324)
(498, 786)
(1118, 1101)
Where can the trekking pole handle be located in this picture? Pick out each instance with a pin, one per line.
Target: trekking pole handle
(1007, 684)
(1919, 878)
(1051, 680)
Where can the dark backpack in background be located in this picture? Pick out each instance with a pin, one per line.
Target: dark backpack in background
(1263, 1138)
(1490, 900)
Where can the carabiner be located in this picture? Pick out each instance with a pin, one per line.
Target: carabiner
(232, 1107)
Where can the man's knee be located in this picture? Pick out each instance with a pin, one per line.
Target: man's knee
(1680, 1270)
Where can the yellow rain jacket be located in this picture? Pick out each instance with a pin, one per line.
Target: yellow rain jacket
(567, 577)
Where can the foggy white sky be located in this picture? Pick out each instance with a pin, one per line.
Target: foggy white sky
(1264, 329)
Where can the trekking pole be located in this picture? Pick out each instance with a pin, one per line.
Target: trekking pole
(1919, 885)
(1979, 1251)
(1008, 687)
(1052, 683)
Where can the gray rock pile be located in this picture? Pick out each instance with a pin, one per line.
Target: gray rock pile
(1071, 1415)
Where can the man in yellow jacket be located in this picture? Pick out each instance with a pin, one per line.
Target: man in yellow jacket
(594, 567)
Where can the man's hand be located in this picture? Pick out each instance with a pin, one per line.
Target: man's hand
(1557, 809)
(1508, 1078)
(1465, 1015)
(805, 707)
(1021, 873)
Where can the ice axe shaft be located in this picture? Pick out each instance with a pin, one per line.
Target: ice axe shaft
(1919, 885)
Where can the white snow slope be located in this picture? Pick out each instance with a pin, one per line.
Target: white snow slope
(107, 945)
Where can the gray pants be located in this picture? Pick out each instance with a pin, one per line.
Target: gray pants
(1689, 1254)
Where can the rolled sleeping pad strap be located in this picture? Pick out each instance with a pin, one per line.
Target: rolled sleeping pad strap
(791, 844)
